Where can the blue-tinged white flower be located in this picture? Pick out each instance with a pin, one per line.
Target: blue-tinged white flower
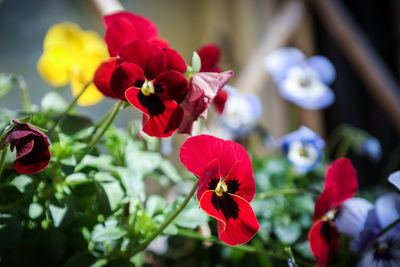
(364, 222)
(300, 80)
(394, 178)
(241, 114)
(372, 148)
(303, 149)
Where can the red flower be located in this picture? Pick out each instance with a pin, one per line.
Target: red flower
(32, 146)
(151, 79)
(209, 55)
(124, 27)
(226, 185)
(340, 185)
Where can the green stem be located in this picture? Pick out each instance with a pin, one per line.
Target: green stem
(343, 148)
(286, 191)
(70, 106)
(247, 248)
(293, 117)
(3, 158)
(110, 118)
(26, 103)
(390, 226)
(164, 225)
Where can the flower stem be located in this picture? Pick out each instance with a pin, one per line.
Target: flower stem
(3, 158)
(246, 248)
(26, 103)
(390, 226)
(164, 225)
(110, 118)
(293, 117)
(70, 106)
(286, 191)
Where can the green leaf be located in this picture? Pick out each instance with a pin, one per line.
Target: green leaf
(133, 182)
(288, 233)
(107, 232)
(53, 102)
(141, 161)
(154, 204)
(6, 83)
(169, 170)
(196, 62)
(114, 193)
(35, 210)
(191, 216)
(102, 162)
(58, 214)
(73, 124)
(21, 182)
(84, 259)
(80, 184)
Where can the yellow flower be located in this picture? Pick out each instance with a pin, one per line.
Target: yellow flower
(71, 55)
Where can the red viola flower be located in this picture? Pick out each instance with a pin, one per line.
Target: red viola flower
(151, 79)
(124, 27)
(209, 55)
(32, 146)
(226, 185)
(203, 88)
(340, 185)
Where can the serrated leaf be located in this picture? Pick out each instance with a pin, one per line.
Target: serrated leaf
(133, 183)
(170, 171)
(107, 232)
(141, 161)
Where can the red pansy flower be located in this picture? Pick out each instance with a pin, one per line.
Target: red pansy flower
(122, 28)
(151, 79)
(209, 55)
(32, 147)
(340, 185)
(226, 185)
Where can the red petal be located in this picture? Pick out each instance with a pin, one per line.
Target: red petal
(242, 172)
(125, 76)
(198, 151)
(233, 231)
(209, 56)
(148, 56)
(324, 203)
(171, 84)
(102, 77)
(144, 27)
(212, 171)
(160, 42)
(342, 177)
(220, 100)
(174, 61)
(119, 31)
(162, 116)
(324, 251)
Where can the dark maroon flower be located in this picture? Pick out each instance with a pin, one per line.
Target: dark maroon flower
(32, 146)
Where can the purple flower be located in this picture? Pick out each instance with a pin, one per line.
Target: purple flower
(302, 81)
(303, 149)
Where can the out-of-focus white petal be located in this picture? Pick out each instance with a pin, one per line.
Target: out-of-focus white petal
(324, 67)
(394, 178)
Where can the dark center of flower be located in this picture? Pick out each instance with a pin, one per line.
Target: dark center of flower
(382, 251)
(222, 200)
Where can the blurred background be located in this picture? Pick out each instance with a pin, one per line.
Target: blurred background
(245, 31)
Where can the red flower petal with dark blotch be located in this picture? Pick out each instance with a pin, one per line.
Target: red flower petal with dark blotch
(163, 116)
(237, 223)
(220, 100)
(209, 179)
(125, 76)
(102, 77)
(341, 176)
(148, 56)
(32, 147)
(198, 151)
(324, 242)
(240, 180)
(209, 56)
(324, 203)
(144, 27)
(119, 31)
(171, 84)
(174, 61)
(160, 42)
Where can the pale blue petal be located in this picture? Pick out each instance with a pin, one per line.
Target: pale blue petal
(387, 209)
(256, 105)
(394, 178)
(324, 67)
(279, 61)
(363, 240)
(372, 148)
(352, 216)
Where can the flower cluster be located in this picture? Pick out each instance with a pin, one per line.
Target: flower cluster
(302, 81)
(149, 75)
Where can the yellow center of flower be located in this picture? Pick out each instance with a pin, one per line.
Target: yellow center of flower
(221, 188)
(147, 88)
(330, 216)
(304, 82)
(303, 152)
(382, 249)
